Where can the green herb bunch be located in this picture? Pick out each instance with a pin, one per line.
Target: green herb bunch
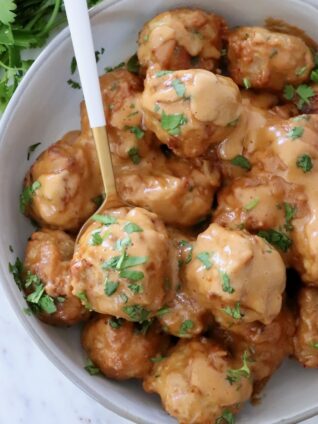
(24, 24)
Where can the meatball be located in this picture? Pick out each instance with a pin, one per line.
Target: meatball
(306, 338)
(48, 278)
(120, 349)
(260, 202)
(178, 190)
(183, 316)
(189, 111)
(261, 58)
(121, 263)
(229, 274)
(121, 93)
(258, 339)
(194, 382)
(64, 184)
(182, 39)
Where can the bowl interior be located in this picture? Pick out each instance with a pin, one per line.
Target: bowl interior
(43, 109)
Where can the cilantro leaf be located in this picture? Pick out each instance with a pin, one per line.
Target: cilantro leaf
(7, 9)
(251, 204)
(133, 153)
(96, 239)
(234, 312)
(290, 212)
(31, 149)
(279, 240)
(296, 132)
(27, 194)
(205, 258)
(105, 219)
(173, 123)
(115, 322)
(136, 313)
(227, 417)
(133, 64)
(111, 287)
(179, 87)
(132, 275)
(91, 368)
(83, 298)
(235, 375)
(247, 83)
(160, 74)
(242, 162)
(226, 283)
(185, 327)
(289, 92)
(131, 227)
(304, 162)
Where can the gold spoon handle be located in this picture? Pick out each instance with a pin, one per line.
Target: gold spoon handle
(105, 160)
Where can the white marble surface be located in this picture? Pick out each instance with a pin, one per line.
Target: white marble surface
(33, 391)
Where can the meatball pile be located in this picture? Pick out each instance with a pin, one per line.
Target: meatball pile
(209, 279)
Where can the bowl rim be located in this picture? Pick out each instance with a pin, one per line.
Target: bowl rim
(63, 35)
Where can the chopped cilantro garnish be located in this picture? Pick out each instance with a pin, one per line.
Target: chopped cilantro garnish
(279, 240)
(157, 358)
(27, 194)
(131, 227)
(234, 376)
(314, 75)
(83, 298)
(115, 322)
(301, 71)
(96, 239)
(162, 311)
(290, 212)
(136, 288)
(289, 92)
(133, 64)
(104, 219)
(173, 123)
(160, 74)
(73, 65)
(205, 258)
(305, 92)
(16, 270)
(185, 327)
(227, 417)
(114, 68)
(136, 313)
(295, 132)
(38, 297)
(189, 248)
(99, 53)
(247, 83)
(242, 162)
(133, 153)
(74, 84)
(91, 368)
(226, 283)
(124, 297)
(234, 312)
(31, 149)
(251, 204)
(304, 162)
(139, 133)
(179, 87)
(131, 275)
(122, 244)
(110, 287)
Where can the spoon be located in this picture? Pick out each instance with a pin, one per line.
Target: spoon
(82, 39)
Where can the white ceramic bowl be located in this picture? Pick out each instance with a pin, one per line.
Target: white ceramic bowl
(43, 109)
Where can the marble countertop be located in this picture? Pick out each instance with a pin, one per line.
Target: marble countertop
(33, 391)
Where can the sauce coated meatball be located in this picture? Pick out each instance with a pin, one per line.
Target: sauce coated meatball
(121, 263)
(193, 382)
(47, 262)
(264, 59)
(189, 111)
(258, 339)
(66, 183)
(182, 39)
(120, 349)
(183, 316)
(229, 275)
(178, 190)
(306, 338)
